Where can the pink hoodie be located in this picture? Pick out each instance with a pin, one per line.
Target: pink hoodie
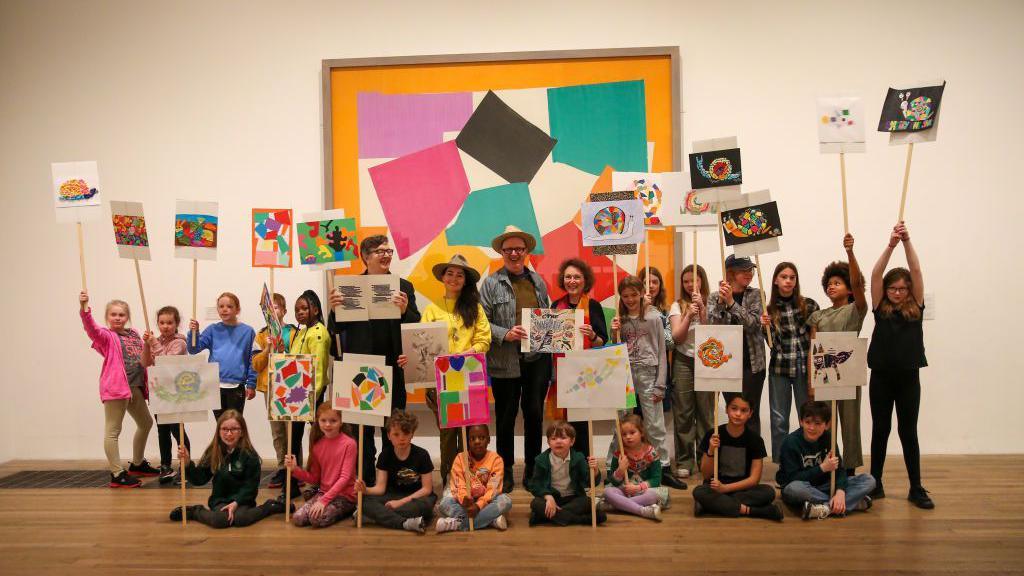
(113, 378)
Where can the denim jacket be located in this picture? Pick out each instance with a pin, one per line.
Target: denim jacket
(499, 302)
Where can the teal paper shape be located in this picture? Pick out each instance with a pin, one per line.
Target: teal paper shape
(598, 125)
(487, 212)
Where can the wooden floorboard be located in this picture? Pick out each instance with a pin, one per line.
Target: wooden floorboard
(977, 528)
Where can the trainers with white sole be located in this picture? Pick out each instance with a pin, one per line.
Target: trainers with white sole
(447, 525)
(414, 525)
(500, 523)
(653, 512)
(816, 511)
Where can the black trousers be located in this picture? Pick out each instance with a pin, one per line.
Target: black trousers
(753, 386)
(900, 389)
(729, 504)
(244, 516)
(374, 509)
(526, 392)
(231, 399)
(574, 510)
(164, 433)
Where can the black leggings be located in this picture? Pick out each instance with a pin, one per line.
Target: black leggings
(231, 399)
(164, 433)
(244, 516)
(572, 510)
(901, 388)
(729, 504)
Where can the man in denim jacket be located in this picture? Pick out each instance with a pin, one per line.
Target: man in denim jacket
(516, 378)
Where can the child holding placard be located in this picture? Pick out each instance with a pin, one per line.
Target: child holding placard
(641, 328)
(896, 356)
(483, 501)
(845, 287)
(234, 467)
(635, 478)
(403, 495)
(332, 467)
(123, 388)
(169, 343)
(692, 412)
(261, 364)
(311, 338)
(230, 344)
(560, 479)
(806, 466)
(737, 491)
(786, 320)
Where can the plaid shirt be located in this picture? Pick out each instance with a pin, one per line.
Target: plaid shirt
(791, 337)
(747, 315)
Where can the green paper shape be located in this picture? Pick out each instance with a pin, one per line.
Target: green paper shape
(487, 212)
(598, 125)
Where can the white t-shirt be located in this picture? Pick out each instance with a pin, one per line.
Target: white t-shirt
(686, 347)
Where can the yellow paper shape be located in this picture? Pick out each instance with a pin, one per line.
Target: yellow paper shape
(454, 381)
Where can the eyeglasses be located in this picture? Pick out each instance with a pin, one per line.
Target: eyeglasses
(232, 430)
(516, 250)
(897, 289)
(384, 252)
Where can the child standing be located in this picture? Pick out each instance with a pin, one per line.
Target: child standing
(642, 330)
(692, 412)
(786, 319)
(636, 477)
(896, 356)
(123, 388)
(169, 343)
(230, 344)
(332, 467)
(738, 490)
(261, 364)
(805, 471)
(844, 285)
(310, 338)
(560, 479)
(403, 495)
(234, 466)
(483, 501)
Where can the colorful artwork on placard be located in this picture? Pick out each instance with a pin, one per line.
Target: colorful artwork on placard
(183, 384)
(267, 308)
(195, 230)
(327, 241)
(712, 353)
(130, 233)
(751, 223)
(838, 359)
(362, 388)
(462, 390)
(292, 387)
(910, 109)
(615, 222)
(592, 379)
(271, 238)
(841, 124)
(716, 168)
(718, 358)
(75, 184)
(552, 331)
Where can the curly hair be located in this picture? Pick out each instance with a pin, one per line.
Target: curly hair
(583, 267)
(839, 270)
(404, 420)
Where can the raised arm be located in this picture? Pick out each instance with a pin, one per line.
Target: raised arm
(912, 262)
(856, 278)
(877, 289)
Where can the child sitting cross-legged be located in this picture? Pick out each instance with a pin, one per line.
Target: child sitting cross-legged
(560, 479)
(484, 501)
(806, 465)
(635, 478)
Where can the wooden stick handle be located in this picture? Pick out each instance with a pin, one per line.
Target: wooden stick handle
(469, 474)
(181, 471)
(142, 293)
(693, 275)
(721, 238)
(760, 285)
(359, 472)
(593, 481)
(288, 475)
(337, 344)
(81, 253)
(842, 177)
(615, 290)
(835, 421)
(647, 261)
(271, 283)
(618, 432)
(195, 270)
(715, 431)
(906, 180)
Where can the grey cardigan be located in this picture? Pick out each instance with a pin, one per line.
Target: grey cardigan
(499, 302)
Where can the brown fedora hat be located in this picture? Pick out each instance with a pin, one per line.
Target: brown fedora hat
(459, 262)
(513, 232)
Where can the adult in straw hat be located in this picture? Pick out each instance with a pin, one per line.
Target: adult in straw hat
(517, 379)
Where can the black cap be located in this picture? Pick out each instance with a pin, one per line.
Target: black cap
(742, 263)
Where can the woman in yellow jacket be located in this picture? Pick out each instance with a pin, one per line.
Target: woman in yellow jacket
(468, 331)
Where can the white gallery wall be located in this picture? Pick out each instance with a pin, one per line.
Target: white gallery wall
(221, 101)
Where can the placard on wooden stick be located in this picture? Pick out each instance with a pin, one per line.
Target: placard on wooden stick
(362, 389)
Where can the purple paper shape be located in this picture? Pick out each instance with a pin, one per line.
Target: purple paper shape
(420, 193)
(392, 125)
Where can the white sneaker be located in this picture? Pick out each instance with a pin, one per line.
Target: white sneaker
(500, 523)
(447, 525)
(414, 524)
(816, 511)
(653, 512)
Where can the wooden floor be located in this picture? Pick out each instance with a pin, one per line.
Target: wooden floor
(977, 528)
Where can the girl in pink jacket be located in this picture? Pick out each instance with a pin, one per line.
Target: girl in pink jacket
(122, 388)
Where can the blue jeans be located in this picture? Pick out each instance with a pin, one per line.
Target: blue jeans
(450, 508)
(779, 397)
(857, 487)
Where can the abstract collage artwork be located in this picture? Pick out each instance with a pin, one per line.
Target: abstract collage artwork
(462, 390)
(327, 242)
(910, 109)
(716, 168)
(195, 230)
(292, 387)
(130, 230)
(362, 389)
(751, 224)
(271, 238)
(841, 125)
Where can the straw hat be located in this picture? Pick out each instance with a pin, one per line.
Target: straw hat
(472, 276)
(513, 232)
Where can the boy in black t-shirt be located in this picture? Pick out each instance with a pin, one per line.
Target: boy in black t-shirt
(737, 491)
(403, 496)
